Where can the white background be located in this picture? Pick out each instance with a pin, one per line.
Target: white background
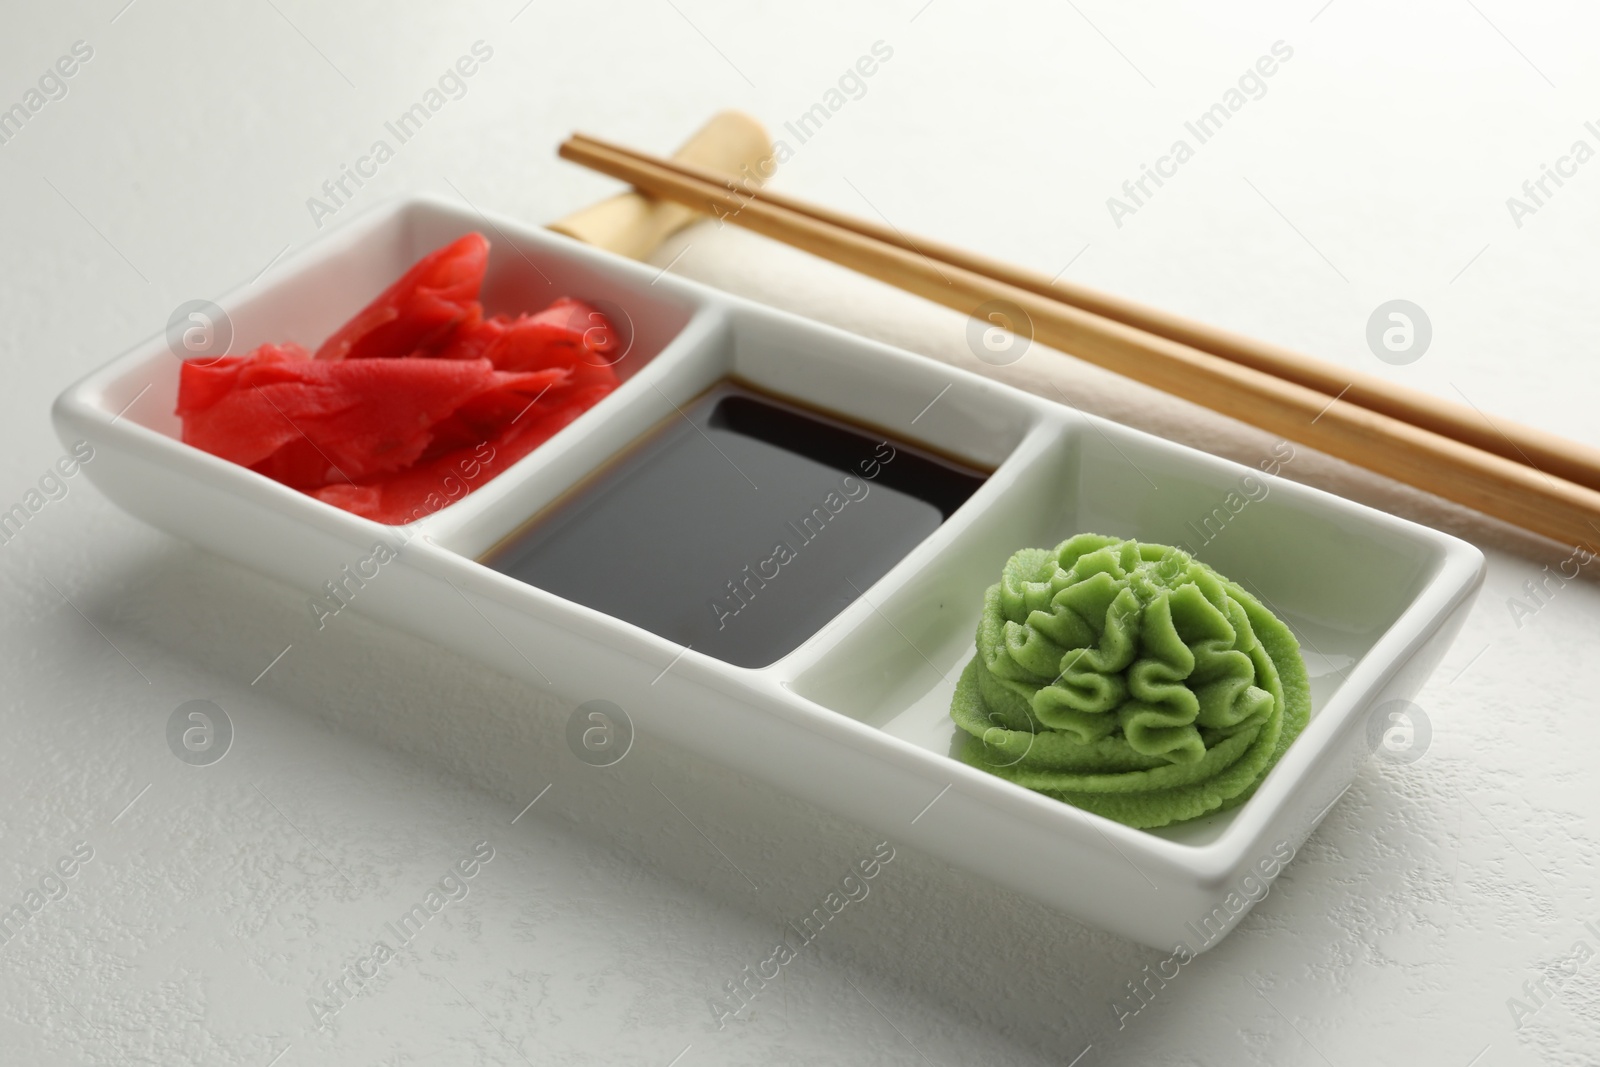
(178, 166)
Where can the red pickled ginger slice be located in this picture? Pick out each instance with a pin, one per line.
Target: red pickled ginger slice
(414, 402)
(340, 421)
(568, 333)
(420, 310)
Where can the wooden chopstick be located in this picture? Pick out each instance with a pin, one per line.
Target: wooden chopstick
(1536, 448)
(1485, 481)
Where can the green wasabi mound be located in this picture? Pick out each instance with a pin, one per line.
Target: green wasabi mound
(1130, 680)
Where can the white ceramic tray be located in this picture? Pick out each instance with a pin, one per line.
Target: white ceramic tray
(855, 718)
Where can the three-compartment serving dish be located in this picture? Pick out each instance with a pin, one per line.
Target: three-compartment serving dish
(855, 717)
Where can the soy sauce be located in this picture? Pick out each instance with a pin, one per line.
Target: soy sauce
(741, 527)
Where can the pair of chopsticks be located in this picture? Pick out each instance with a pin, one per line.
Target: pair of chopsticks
(1524, 476)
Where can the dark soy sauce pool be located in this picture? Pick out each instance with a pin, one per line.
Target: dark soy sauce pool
(740, 528)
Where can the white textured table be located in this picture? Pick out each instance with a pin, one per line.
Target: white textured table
(1439, 914)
